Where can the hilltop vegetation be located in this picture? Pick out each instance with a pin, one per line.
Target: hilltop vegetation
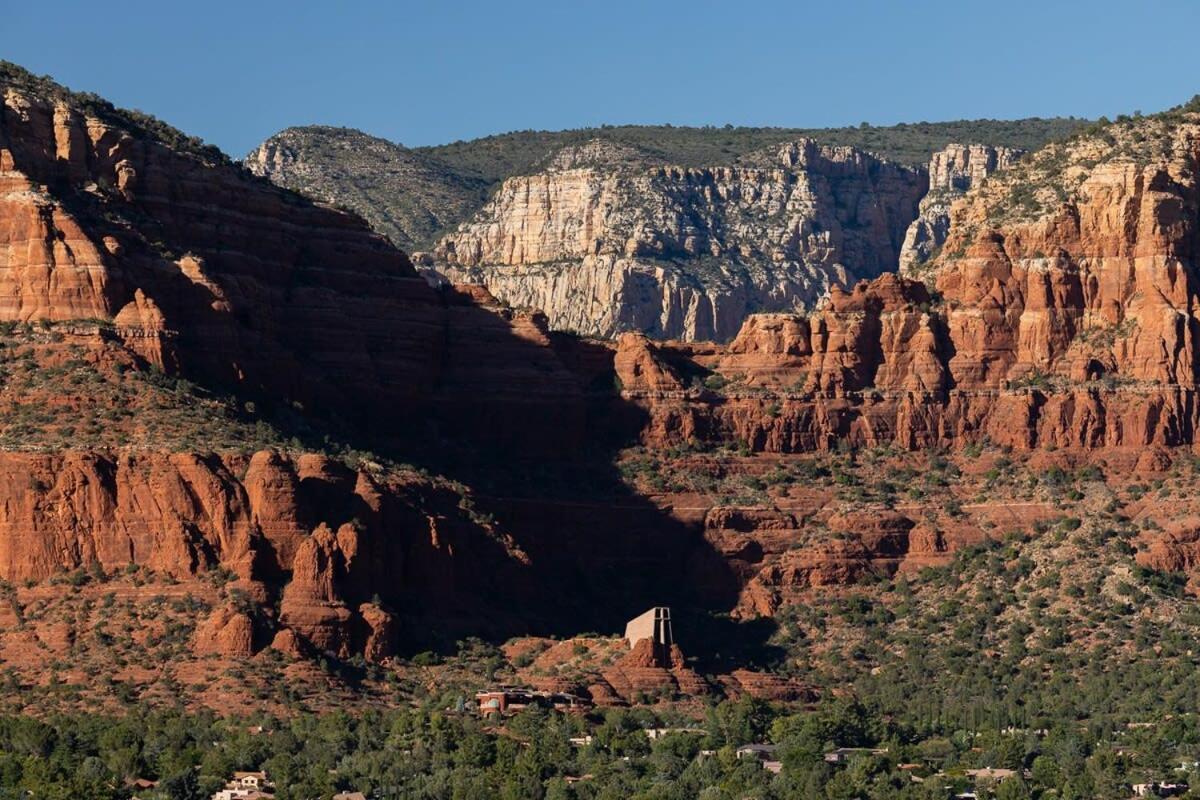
(415, 195)
(1055, 174)
(496, 157)
(406, 195)
(136, 122)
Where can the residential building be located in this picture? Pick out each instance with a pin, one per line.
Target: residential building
(844, 754)
(246, 786)
(760, 752)
(990, 774)
(507, 700)
(658, 733)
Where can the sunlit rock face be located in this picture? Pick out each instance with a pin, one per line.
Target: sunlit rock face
(603, 241)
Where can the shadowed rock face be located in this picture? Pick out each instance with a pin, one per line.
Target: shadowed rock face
(152, 257)
(604, 242)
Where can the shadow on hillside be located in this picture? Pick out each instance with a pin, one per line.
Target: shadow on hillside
(552, 542)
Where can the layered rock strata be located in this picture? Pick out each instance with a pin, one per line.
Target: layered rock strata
(1069, 323)
(338, 548)
(605, 241)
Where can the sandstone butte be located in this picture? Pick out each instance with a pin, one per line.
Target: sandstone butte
(147, 257)
(1059, 313)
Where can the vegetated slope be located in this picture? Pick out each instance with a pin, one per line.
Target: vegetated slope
(952, 172)
(407, 195)
(497, 157)
(923, 579)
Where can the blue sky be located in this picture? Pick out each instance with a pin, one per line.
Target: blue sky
(432, 72)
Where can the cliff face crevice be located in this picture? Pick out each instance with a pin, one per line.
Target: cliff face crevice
(952, 172)
(602, 242)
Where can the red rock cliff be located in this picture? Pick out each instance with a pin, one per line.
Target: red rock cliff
(1062, 311)
(149, 253)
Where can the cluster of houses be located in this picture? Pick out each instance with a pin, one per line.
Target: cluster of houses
(256, 786)
(246, 786)
(1160, 789)
(765, 754)
(504, 701)
(987, 778)
(843, 754)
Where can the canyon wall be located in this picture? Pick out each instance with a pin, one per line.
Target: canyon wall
(604, 241)
(1064, 316)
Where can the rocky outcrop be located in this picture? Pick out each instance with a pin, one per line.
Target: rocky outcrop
(605, 241)
(338, 548)
(779, 556)
(649, 669)
(379, 632)
(768, 686)
(313, 601)
(952, 172)
(226, 632)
